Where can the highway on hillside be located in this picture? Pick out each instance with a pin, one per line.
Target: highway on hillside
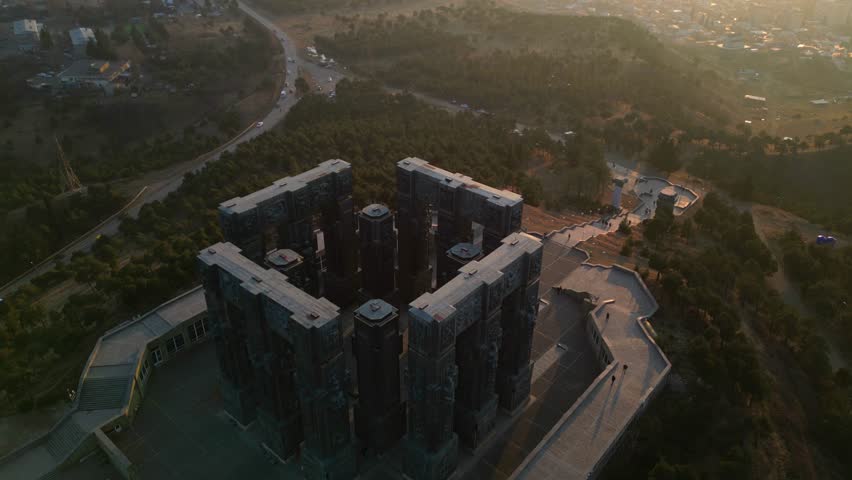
(155, 186)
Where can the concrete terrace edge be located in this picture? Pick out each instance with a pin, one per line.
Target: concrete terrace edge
(644, 399)
(666, 180)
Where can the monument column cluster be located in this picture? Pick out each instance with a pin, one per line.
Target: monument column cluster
(462, 358)
(281, 347)
(296, 373)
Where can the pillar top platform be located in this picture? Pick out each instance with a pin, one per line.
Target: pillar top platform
(376, 210)
(375, 310)
(465, 251)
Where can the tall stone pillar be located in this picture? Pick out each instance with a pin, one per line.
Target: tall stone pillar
(520, 309)
(229, 327)
(476, 400)
(431, 445)
(378, 251)
(380, 414)
(456, 257)
(413, 224)
(338, 225)
(321, 370)
(278, 408)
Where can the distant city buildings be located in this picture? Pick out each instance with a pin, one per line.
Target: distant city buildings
(80, 38)
(26, 34)
(93, 73)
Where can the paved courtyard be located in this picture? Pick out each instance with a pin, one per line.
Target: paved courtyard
(181, 433)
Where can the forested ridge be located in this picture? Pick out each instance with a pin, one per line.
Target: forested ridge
(734, 410)
(814, 185)
(553, 69)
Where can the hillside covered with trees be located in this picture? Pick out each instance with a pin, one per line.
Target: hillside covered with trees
(554, 70)
(752, 394)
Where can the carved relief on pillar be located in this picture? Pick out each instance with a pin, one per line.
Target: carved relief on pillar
(403, 181)
(418, 334)
(274, 212)
(467, 312)
(301, 202)
(534, 270)
(448, 389)
(491, 217)
(515, 217)
(493, 343)
(495, 294)
(448, 334)
(530, 308)
(447, 197)
(247, 223)
(330, 340)
(277, 318)
(344, 183)
(321, 192)
(230, 225)
(230, 289)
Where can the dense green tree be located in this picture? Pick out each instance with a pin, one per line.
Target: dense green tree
(664, 155)
(45, 39)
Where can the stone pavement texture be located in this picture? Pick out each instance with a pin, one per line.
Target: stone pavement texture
(581, 441)
(180, 431)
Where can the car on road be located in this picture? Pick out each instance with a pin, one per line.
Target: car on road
(284, 93)
(290, 60)
(259, 125)
(330, 80)
(825, 240)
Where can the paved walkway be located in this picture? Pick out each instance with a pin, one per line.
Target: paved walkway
(581, 441)
(571, 236)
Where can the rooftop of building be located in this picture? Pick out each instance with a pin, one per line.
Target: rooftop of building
(279, 187)
(81, 36)
(21, 27)
(457, 180)
(302, 307)
(95, 69)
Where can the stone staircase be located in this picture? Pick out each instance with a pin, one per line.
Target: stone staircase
(103, 393)
(64, 439)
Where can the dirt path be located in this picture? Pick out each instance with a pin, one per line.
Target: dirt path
(770, 223)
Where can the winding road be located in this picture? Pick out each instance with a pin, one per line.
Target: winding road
(156, 186)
